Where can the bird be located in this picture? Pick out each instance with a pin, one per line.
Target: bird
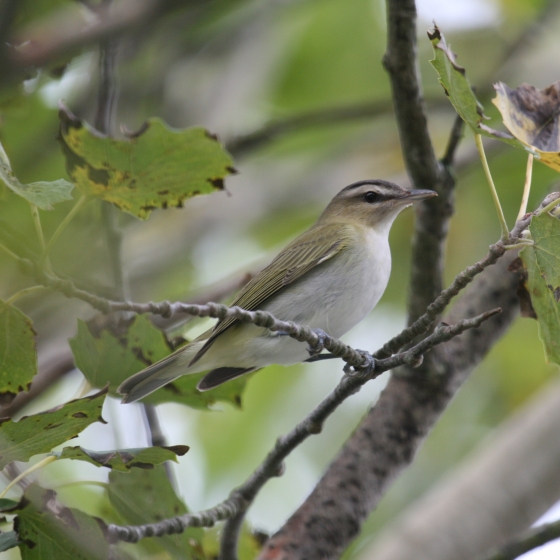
(328, 278)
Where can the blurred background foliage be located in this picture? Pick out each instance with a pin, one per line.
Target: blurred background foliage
(235, 67)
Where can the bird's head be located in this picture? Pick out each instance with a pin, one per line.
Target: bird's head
(372, 203)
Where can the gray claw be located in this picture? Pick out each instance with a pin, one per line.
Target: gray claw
(365, 370)
(320, 346)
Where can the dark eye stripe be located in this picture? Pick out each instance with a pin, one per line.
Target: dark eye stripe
(372, 196)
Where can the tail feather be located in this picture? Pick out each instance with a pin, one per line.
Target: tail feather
(221, 375)
(150, 379)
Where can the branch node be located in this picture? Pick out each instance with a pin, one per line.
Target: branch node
(315, 427)
(165, 309)
(413, 360)
(280, 469)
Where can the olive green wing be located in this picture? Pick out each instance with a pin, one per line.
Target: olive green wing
(302, 255)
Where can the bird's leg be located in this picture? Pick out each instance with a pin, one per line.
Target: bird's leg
(364, 370)
(320, 345)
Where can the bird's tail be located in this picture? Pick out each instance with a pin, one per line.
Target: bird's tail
(157, 375)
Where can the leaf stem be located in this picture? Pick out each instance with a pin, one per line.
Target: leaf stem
(38, 228)
(548, 207)
(526, 187)
(5, 249)
(36, 466)
(519, 245)
(103, 485)
(501, 218)
(24, 292)
(62, 226)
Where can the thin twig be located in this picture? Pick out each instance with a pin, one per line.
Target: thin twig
(241, 497)
(264, 319)
(314, 422)
(66, 30)
(423, 323)
(531, 539)
(280, 127)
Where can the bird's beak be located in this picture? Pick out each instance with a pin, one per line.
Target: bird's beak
(418, 194)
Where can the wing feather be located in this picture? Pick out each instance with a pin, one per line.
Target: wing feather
(302, 255)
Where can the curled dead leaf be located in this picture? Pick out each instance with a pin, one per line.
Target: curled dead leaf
(532, 116)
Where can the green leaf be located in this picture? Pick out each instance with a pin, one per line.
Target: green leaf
(125, 459)
(157, 167)
(106, 357)
(545, 231)
(459, 91)
(6, 504)
(183, 390)
(42, 432)
(544, 304)
(146, 496)
(533, 116)
(49, 531)
(18, 356)
(43, 193)
(8, 540)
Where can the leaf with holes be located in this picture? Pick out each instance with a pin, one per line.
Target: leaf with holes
(43, 193)
(18, 356)
(454, 80)
(125, 459)
(157, 167)
(47, 530)
(533, 116)
(40, 433)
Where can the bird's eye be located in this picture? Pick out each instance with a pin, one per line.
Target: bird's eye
(371, 197)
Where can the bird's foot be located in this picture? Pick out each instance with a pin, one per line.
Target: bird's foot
(364, 370)
(320, 345)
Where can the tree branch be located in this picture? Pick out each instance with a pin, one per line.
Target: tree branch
(157, 438)
(240, 145)
(241, 497)
(67, 29)
(386, 441)
(432, 217)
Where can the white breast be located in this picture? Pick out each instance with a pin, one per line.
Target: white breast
(335, 296)
(339, 293)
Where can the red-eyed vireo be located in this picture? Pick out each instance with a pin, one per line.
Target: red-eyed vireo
(329, 278)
